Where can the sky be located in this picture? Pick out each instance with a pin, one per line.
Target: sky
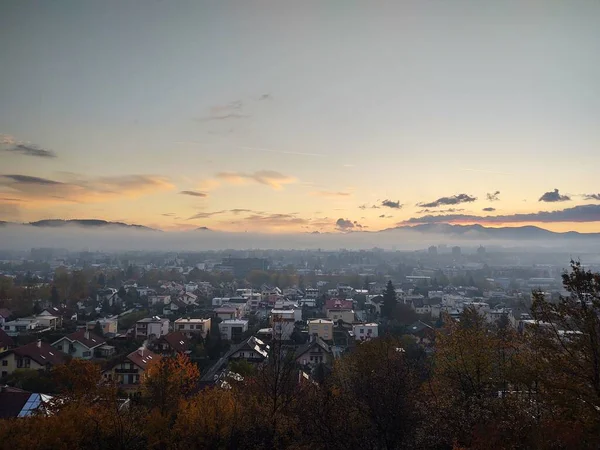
(286, 116)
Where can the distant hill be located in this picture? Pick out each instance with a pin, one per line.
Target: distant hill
(202, 229)
(88, 223)
(477, 231)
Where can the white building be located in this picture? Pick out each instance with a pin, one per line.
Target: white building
(21, 326)
(220, 301)
(192, 326)
(191, 287)
(283, 323)
(151, 327)
(233, 329)
(365, 331)
(311, 293)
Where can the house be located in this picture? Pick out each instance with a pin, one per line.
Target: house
(16, 402)
(4, 316)
(191, 286)
(422, 332)
(21, 326)
(189, 299)
(6, 341)
(175, 306)
(48, 321)
(283, 322)
(192, 327)
(172, 344)
(323, 328)
(82, 344)
(233, 329)
(338, 309)
(159, 300)
(365, 331)
(108, 325)
(59, 313)
(36, 355)
(128, 372)
(252, 350)
(227, 312)
(311, 293)
(151, 327)
(314, 352)
(220, 301)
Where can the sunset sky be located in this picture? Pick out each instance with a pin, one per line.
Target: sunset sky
(281, 116)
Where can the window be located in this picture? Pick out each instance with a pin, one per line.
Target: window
(4, 373)
(86, 354)
(181, 327)
(4, 362)
(362, 331)
(198, 327)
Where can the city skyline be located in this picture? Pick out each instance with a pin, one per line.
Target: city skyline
(289, 117)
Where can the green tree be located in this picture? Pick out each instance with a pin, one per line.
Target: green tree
(389, 301)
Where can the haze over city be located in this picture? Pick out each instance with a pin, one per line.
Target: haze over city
(295, 117)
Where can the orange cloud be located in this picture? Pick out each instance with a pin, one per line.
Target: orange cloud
(36, 190)
(269, 178)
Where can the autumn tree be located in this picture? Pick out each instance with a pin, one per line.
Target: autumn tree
(168, 380)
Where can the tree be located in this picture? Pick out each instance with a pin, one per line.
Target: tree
(54, 297)
(168, 380)
(98, 331)
(389, 301)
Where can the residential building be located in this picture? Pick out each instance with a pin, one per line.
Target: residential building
(365, 331)
(128, 372)
(16, 402)
(189, 299)
(191, 327)
(36, 355)
(108, 325)
(220, 301)
(82, 344)
(227, 312)
(22, 326)
(338, 309)
(175, 306)
(252, 350)
(322, 328)
(283, 323)
(151, 327)
(315, 351)
(159, 300)
(311, 293)
(172, 344)
(4, 316)
(233, 329)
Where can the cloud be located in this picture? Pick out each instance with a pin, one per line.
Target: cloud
(582, 213)
(439, 211)
(269, 178)
(32, 150)
(489, 209)
(194, 193)
(78, 189)
(367, 206)
(168, 214)
(229, 111)
(554, 196)
(206, 215)
(7, 139)
(391, 204)
(344, 224)
(493, 197)
(383, 216)
(331, 194)
(453, 200)
(591, 196)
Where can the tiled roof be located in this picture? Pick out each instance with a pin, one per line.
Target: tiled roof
(178, 341)
(90, 341)
(5, 339)
(41, 352)
(6, 313)
(142, 357)
(337, 303)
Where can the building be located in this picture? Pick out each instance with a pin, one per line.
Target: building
(338, 309)
(315, 351)
(311, 293)
(191, 327)
(16, 402)
(322, 328)
(128, 372)
(172, 344)
(233, 329)
(365, 331)
(283, 322)
(108, 325)
(22, 326)
(252, 350)
(227, 312)
(6, 341)
(82, 344)
(36, 355)
(151, 327)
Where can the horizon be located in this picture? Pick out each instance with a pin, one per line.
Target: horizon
(296, 118)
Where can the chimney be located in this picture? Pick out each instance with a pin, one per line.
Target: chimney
(86, 334)
(39, 343)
